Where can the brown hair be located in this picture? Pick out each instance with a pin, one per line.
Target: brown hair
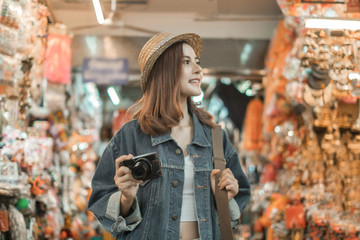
(159, 108)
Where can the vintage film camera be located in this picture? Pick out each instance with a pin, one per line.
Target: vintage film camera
(144, 167)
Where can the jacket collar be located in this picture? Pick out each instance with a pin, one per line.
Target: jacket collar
(198, 139)
(199, 133)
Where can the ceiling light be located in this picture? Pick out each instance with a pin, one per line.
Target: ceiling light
(243, 86)
(225, 80)
(249, 93)
(246, 53)
(113, 96)
(332, 23)
(98, 11)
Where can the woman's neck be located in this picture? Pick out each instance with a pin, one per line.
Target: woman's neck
(186, 120)
(183, 132)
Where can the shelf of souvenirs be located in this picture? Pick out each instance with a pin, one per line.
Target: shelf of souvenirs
(313, 181)
(323, 66)
(6, 82)
(20, 22)
(10, 192)
(9, 69)
(320, 8)
(23, 27)
(11, 12)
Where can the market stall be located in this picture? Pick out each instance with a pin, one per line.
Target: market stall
(309, 165)
(47, 138)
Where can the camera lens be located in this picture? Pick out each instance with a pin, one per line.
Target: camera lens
(141, 169)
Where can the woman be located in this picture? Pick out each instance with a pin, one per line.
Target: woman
(180, 203)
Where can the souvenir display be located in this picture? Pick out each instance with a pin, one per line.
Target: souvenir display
(58, 59)
(310, 152)
(318, 8)
(46, 165)
(253, 125)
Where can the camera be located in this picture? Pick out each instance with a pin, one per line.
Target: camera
(144, 167)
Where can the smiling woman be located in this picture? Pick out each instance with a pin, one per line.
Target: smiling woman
(180, 203)
(191, 73)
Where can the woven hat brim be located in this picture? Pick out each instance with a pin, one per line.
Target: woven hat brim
(192, 39)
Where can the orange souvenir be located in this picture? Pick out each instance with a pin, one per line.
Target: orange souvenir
(269, 174)
(295, 216)
(253, 125)
(37, 186)
(277, 201)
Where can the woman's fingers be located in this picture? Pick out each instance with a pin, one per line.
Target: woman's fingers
(121, 159)
(127, 184)
(123, 177)
(225, 180)
(213, 175)
(229, 182)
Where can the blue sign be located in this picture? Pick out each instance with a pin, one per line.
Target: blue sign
(105, 71)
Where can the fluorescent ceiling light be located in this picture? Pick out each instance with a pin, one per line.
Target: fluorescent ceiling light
(332, 24)
(113, 96)
(98, 11)
(243, 86)
(246, 53)
(249, 92)
(225, 80)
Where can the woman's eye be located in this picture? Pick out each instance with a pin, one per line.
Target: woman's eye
(198, 63)
(187, 61)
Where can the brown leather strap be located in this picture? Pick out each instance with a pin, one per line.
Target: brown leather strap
(222, 202)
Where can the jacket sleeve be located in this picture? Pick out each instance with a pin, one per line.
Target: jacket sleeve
(233, 162)
(104, 200)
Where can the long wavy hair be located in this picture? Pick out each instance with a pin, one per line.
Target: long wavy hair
(159, 109)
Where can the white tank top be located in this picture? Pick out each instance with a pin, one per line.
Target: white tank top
(188, 209)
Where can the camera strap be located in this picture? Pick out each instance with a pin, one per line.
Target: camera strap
(222, 202)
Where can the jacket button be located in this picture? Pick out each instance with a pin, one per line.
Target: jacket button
(178, 151)
(175, 183)
(174, 217)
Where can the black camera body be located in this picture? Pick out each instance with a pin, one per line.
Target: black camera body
(144, 167)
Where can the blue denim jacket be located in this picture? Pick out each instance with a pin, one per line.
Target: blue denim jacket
(156, 211)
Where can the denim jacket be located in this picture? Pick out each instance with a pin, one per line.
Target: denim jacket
(156, 210)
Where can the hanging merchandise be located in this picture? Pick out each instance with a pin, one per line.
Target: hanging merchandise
(320, 8)
(253, 125)
(46, 187)
(274, 82)
(311, 137)
(86, 106)
(17, 224)
(24, 86)
(58, 59)
(22, 27)
(46, 164)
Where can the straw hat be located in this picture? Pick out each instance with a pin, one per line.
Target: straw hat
(157, 45)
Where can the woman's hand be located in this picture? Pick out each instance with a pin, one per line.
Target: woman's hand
(126, 183)
(227, 181)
